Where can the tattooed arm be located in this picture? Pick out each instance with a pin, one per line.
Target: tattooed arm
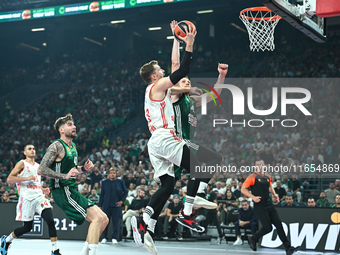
(54, 152)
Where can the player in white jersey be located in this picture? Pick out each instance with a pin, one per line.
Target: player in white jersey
(164, 147)
(31, 200)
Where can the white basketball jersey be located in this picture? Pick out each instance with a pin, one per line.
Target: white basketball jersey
(29, 189)
(158, 113)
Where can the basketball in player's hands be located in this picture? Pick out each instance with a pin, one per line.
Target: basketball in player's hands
(180, 29)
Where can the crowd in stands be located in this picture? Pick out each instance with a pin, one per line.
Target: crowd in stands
(104, 96)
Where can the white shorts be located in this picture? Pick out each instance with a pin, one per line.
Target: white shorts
(165, 149)
(27, 208)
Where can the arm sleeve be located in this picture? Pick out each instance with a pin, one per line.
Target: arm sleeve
(183, 70)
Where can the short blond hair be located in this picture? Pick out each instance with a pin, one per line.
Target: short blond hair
(61, 121)
(147, 69)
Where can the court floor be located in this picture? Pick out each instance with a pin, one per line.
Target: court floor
(40, 247)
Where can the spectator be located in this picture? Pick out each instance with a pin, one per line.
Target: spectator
(95, 176)
(13, 196)
(5, 198)
(211, 215)
(331, 193)
(135, 208)
(288, 202)
(220, 191)
(280, 191)
(170, 220)
(94, 196)
(322, 201)
(82, 183)
(161, 219)
(178, 187)
(132, 192)
(237, 193)
(112, 197)
(247, 219)
(296, 188)
(286, 183)
(311, 202)
(337, 184)
(337, 202)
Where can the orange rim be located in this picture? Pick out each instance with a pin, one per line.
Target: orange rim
(262, 9)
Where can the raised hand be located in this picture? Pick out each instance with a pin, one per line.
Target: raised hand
(173, 25)
(222, 69)
(88, 165)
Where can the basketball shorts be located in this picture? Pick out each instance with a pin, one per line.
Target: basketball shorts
(193, 146)
(72, 203)
(27, 208)
(165, 149)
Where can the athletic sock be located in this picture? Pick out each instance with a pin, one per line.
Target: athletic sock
(9, 238)
(93, 249)
(188, 205)
(54, 246)
(147, 214)
(85, 250)
(201, 189)
(152, 225)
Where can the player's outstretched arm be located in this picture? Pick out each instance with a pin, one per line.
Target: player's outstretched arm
(15, 171)
(223, 70)
(175, 61)
(54, 151)
(165, 83)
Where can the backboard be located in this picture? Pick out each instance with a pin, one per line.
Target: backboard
(301, 14)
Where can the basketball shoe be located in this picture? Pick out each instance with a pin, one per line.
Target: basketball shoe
(56, 252)
(4, 245)
(149, 243)
(139, 230)
(201, 202)
(189, 222)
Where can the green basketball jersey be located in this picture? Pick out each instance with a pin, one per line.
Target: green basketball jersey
(69, 161)
(185, 117)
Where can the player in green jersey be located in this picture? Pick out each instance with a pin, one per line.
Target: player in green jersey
(60, 163)
(186, 121)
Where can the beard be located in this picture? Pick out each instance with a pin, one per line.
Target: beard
(71, 135)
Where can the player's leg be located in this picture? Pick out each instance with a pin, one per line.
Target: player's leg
(48, 218)
(98, 224)
(24, 210)
(104, 234)
(189, 161)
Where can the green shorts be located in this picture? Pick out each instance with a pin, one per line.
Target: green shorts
(72, 203)
(193, 146)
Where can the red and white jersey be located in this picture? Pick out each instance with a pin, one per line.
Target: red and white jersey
(29, 189)
(159, 113)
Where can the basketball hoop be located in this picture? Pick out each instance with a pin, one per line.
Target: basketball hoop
(260, 23)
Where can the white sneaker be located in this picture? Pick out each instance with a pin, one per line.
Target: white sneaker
(201, 202)
(129, 234)
(114, 241)
(104, 240)
(149, 244)
(238, 241)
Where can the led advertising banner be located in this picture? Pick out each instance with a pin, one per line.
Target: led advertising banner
(79, 8)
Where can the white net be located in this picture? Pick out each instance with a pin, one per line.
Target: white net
(260, 23)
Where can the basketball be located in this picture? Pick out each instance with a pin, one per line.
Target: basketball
(180, 29)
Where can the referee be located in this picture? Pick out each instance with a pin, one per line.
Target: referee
(260, 185)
